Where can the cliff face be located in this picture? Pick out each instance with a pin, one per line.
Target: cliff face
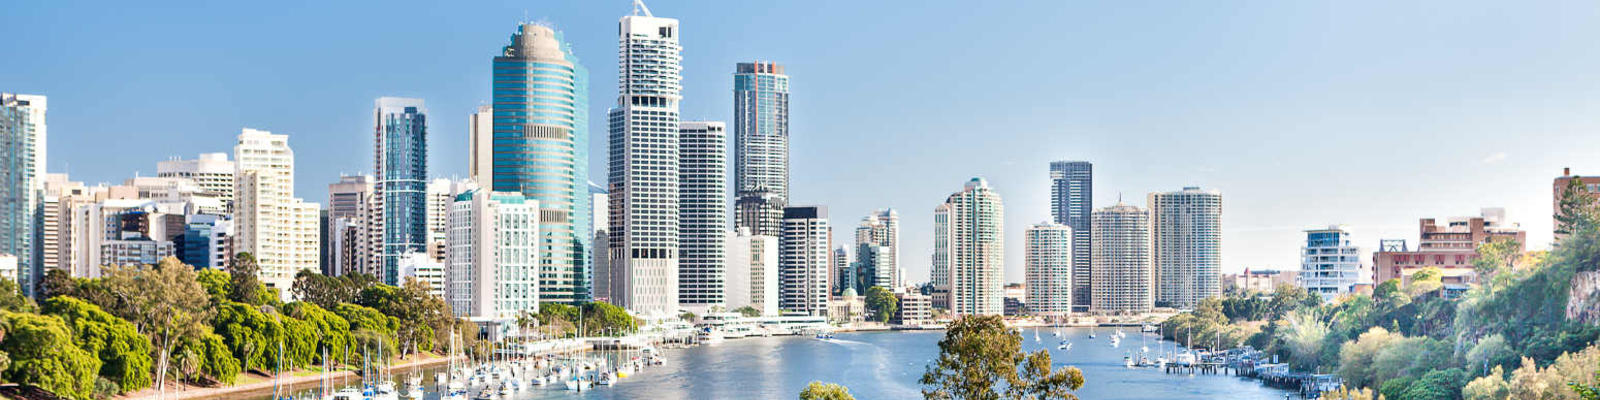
(1583, 297)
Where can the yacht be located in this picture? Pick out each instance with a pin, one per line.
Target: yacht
(348, 393)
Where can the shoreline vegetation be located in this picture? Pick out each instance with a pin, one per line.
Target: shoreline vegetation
(257, 384)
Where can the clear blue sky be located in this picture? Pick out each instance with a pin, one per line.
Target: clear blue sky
(1366, 113)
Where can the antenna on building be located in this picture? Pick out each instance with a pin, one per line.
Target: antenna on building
(638, 6)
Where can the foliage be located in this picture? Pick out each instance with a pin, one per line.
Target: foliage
(331, 330)
(1425, 281)
(417, 311)
(370, 330)
(748, 311)
(166, 303)
(11, 298)
(882, 302)
(125, 353)
(1532, 382)
(43, 354)
(56, 282)
(105, 388)
(1356, 358)
(1575, 208)
(245, 282)
(215, 359)
(1412, 356)
(251, 335)
(327, 291)
(599, 318)
(825, 391)
(1437, 385)
(1346, 393)
(1587, 392)
(980, 352)
(1302, 338)
(216, 284)
(1491, 351)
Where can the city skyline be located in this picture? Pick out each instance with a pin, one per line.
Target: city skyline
(1513, 176)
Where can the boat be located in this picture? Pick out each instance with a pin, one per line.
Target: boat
(1091, 332)
(348, 393)
(1057, 333)
(385, 391)
(578, 384)
(607, 379)
(1115, 341)
(1149, 328)
(1065, 346)
(1127, 361)
(1036, 334)
(709, 336)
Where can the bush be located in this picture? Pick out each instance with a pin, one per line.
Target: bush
(124, 352)
(42, 354)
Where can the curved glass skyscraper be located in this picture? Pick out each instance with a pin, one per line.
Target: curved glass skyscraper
(540, 149)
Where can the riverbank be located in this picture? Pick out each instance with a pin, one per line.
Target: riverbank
(254, 384)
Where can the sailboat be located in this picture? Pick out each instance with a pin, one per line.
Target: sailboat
(1091, 332)
(1036, 334)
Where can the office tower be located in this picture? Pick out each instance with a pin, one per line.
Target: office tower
(400, 154)
(1071, 203)
(1186, 241)
(804, 264)
(212, 171)
(541, 149)
(761, 129)
(753, 272)
(22, 157)
(441, 192)
(702, 213)
(601, 276)
(761, 212)
(844, 273)
(1451, 247)
(1329, 264)
(480, 146)
(350, 231)
(493, 261)
(270, 223)
(644, 163)
(1122, 271)
(1047, 269)
(207, 241)
(969, 249)
(878, 250)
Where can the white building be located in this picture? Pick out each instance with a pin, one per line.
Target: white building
(878, 249)
(212, 171)
(425, 269)
(1047, 264)
(753, 272)
(644, 164)
(1329, 264)
(702, 214)
(1121, 261)
(493, 262)
(804, 261)
(8, 267)
(1186, 228)
(480, 146)
(281, 231)
(969, 250)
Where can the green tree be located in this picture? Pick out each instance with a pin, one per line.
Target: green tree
(1437, 385)
(216, 360)
(217, 284)
(1575, 208)
(11, 298)
(882, 303)
(1355, 359)
(43, 354)
(1302, 336)
(748, 311)
(331, 330)
(56, 282)
(165, 301)
(1495, 256)
(601, 317)
(124, 353)
(245, 286)
(1425, 281)
(1489, 352)
(416, 310)
(978, 353)
(327, 291)
(825, 391)
(1586, 392)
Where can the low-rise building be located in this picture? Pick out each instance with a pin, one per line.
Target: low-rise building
(915, 309)
(1256, 280)
(1451, 247)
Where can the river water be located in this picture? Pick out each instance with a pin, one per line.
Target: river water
(887, 365)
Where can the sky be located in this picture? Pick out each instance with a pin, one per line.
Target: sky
(1369, 114)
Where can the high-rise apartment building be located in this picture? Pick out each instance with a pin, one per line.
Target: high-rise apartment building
(969, 242)
(1329, 264)
(493, 262)
(212, 171)
(761, 128)
(400, 154)
(702, 214)
(804, 262)
(753, 272)
(878, 250)
(22, 157)
(1071, 204)
(1122, 271)
(844, 273)
(1047, 269)
(281, 231)
(644, 163)
(601, 275)
(760, 211)
(480, 146)
(1186, 233)
(349, 234)
(540, 148)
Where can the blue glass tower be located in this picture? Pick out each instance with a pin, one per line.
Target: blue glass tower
(540, 149)
(401, 139)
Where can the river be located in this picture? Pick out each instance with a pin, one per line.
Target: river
(887, 365)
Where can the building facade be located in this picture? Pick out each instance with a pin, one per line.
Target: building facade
(761, 129)
(22, 155)
(1122, 270)
(1186, 233)
(493, 262)
(760, 211)
(878, 250)
(1451, 247)
(973, 249)
(644, 164)
(1071, 204)
(702, 214)
(752, 272)
(1257, 281)
(350, 235)
(540, 148)
(1329, 265)
(212, 171)
(804, 260)
(400, 154)
(1047, 269)
(281, 231)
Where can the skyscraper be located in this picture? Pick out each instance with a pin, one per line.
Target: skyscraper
(644, 163)
(1186, 232)
(760, 212)
(349, 233)
(22, 158)
(1071, 203)
(400, 154)
(878, 249)
(761, 128)
(480, 146)
(492, 266)
(1121, 267)
(804, 262)
(540, 149)
(1329, 264)
(270, 223)
(1047, 269)
(972, 222)
(702, 214)
(212, 171)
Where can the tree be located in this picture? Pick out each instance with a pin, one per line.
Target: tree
(11, 298)
(1425, 281)
(124, 353)
(882, 303)
(1585, 392)
(331, 330)
(1437, 385)
(748, 311)
(1303, 338)
(56, 282)
(217, 284)
(1495, 256)
(980, 352)
(600, 317)
(825, 391)
(326, 291)
(1575, 208)
(43, 354)
(245, 286)
(165, 302)
(1355, 359)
